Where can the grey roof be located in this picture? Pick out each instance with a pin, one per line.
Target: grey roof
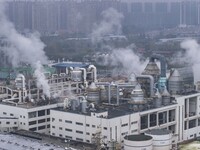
(139, 137)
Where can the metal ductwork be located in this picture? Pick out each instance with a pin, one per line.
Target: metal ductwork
(151, 82)
(162, 63)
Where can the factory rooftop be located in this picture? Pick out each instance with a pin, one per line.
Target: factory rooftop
(113, 111)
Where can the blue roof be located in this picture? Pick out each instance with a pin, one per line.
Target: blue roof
(67, 65)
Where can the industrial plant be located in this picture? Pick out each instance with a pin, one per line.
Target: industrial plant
(154, 110)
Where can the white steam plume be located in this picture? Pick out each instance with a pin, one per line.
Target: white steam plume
(192, 56)
(127, 59)
(22, 49)
(111, 24)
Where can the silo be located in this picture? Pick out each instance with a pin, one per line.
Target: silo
(138, 142)
(157, 99)
(165, 97)
(93, 94)
(175, 82)
(162, 139)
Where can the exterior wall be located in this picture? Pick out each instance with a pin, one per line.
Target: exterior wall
(8, 124)
(187, 112)
(65, 125)
(138, 145)
(24, 118)
(109, 129)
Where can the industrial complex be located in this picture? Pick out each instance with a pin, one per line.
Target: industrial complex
(154, 110)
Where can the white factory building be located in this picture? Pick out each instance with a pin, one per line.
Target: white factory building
(105, 113)
(181, 118)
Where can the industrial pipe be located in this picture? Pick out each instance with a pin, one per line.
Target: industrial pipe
(84, 77)
(151, 82)
(162, 63)
(94, 72)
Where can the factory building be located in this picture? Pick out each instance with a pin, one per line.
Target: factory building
(23, 105)
(109, 114)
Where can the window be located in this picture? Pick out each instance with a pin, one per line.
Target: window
(48, 126)
(53, 119)
(134, 131)
(32, 123)
(7, 122)
(48, 111)
(60, 120)
(48, 119)
(11, 114)
(68, 137)
(53, 127)
(134, 122)
(15, 122)
(60, 128)
(20, 116)
(124, 133)
(41, 127)
(53, 133)
(78, 139)
(31, 114)
(41, 113)
(88, 141)
(87, 125)
(105, 128)
(41, 120)
(93, 126)
(32, 129)
(79, 123)
(66, 129)
(24, 124)
(4, 113)
(0, 122)
(68, 121)
(87, 133)
(80, 132)
(23, 116)
(60, 135)
(126, 124)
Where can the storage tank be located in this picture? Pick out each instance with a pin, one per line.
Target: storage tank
(157, 99)
(165, 97)
(93, 94)
(175, 82)
(138, 142)
(137, 95)
(162, 139)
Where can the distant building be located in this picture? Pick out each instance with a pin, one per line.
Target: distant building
(76, 16)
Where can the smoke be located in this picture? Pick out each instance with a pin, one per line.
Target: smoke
(110, 24)
(127, 61)
(124, 59)
(23, 49)
(192, 56)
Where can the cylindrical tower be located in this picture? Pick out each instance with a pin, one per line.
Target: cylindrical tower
(93, 94)
(138, 142)
(162, 139)
(175, 82)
